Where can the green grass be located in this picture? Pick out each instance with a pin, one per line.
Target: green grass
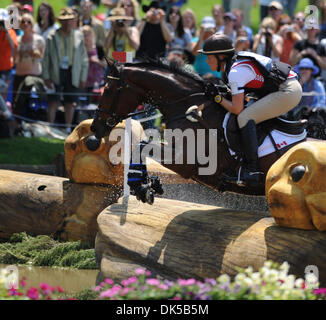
(44, 251)
(36, 151)
(201, 8)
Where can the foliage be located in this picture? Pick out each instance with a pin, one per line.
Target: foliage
(271, 282)
(44, 251)
(36, 151)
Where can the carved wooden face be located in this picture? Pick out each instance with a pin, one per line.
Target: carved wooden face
(91, 160)
(296, 187)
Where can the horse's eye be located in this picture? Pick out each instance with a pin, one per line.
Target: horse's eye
(298, 172)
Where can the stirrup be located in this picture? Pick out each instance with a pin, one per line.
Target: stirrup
(243, 183)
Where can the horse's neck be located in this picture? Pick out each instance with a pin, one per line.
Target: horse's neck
(169, 95)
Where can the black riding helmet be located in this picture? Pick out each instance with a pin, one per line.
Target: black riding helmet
(216, 44)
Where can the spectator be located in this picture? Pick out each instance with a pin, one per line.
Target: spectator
(218, 13)
(96, 66)
(245, 7)
(241, 44)
(27, 8)
(189, 22)
(65, 65)
(207, 29)
(86, 18)
(76, 23)
(45, 21)
(121, 36)
(264, 8)
(181, 37)
(131, 8)
(275, 9)
(29, 54)
(155, 32)
(286, 30)
(266, 42)
(290, 6)
(310, 47)
(239, 24)
(229, 26)
(299, 23)
(8, 45)
(307, 72)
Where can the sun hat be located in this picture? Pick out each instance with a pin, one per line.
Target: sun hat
(118, 14)
(66, 14)
(208, 22)
(277, 5)
(155, 5)
(230, 15)
(308, 64)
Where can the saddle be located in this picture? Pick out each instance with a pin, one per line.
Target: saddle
(277, 132)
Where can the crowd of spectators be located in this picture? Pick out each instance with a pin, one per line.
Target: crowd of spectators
(67, 51)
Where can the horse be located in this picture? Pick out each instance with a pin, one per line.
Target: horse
(176, 91)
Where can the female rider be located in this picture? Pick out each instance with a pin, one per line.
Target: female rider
(244, 75)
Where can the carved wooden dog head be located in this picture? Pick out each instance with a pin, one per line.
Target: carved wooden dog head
(296, 187)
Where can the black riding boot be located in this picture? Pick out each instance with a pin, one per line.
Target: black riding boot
(249, 174)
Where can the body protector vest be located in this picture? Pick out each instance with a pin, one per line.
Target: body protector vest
(273, 72)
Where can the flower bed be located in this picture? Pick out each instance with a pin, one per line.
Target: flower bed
(271, 282)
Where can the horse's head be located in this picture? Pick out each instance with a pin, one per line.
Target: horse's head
(116, 103)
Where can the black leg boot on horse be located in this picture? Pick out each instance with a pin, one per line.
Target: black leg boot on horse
(249, 174)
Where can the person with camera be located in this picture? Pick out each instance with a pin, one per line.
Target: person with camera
(277, 88)
(267, 42)
(287, 31)
(8, 45)
(155, 32)
(121, 37)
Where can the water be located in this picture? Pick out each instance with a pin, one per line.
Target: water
(70, 280)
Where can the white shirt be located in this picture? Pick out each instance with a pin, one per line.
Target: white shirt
(239, 76)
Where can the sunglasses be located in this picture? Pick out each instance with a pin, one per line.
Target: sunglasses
(174, 12)
(26, 21)
(282, 23)
(299, 19)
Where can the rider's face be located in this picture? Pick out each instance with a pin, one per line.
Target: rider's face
(212, 62)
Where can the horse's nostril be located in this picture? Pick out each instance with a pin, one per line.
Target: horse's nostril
(92, 143)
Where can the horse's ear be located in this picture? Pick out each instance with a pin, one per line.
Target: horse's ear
(109, 61)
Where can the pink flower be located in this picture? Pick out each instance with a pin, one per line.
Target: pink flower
(129, 281)
(13, 292)
(188, 282)
(111, 292)
(23, 282)
(58, 288)
(109, 281)
(46, 288)
(176, 298)
(153, 282)
(320, 291)
(97, 288)
(140, 271)
(148, 273)
(163, 286)
(32, 293)
(125, 291)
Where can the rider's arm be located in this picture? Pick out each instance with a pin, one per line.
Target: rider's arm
(236, 105)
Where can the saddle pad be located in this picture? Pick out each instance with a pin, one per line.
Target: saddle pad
(281, 139)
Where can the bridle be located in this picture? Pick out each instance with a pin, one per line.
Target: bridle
(113, 119)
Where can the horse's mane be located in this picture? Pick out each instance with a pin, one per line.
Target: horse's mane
(169, 66)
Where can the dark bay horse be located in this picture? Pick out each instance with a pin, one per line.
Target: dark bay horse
(173, 90)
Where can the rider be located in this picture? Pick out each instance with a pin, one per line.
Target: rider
(244, 74)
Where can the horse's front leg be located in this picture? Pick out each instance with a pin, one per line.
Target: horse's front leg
(141, 185)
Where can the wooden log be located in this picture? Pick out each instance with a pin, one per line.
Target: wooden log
(176, 239)
(40, 204)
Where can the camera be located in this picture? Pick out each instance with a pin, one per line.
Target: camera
(290, 29)
(155, 12)
(267, 34)
(120, 23)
